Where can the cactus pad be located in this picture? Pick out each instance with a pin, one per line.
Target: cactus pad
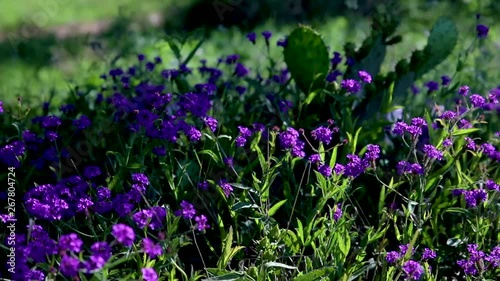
(440, 44)
(307, 58)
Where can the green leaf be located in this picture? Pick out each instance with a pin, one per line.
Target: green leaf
(276, 207)
(306, 57)
(278, 264)
(461, 132)
(316, 274)
(211, 154)
(232, 276)
(191, 54)
(440, 44)
(244, 205)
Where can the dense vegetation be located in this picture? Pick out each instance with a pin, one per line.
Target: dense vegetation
(308, 164)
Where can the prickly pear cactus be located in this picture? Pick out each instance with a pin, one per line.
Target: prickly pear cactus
(440, 45)
(307, 58)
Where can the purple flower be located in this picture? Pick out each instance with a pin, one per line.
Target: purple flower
(356, 166)
(50, 122)
(91, 172)
(482, 31)
(1, 106)
(392, 257)
(372, 152)
(82, 123)
(404, 167)
(325, 170)
(69, 266)
(337, 58)
(339, 169)
(400, 128)
(211, 123)
(159, 150)
(445, 80)
(252, 37)
(140, 179)
(124, 234)
(282, 42)
(323, 134)
(241, 71)
(141, 57)
(477, 100)
(151, 249)
(414, 89)
(201, 222)
(102, 250)
(285, 105)
(267, 35)
(432, 86)
(70, 242)
(418, 121)
(226, 187)
(448, 115)
(193, 133)
(428, 254)
(142, 218)
(491, 185)
(187, 210)
(464, 90)
(149, 274)
(351, 86)
(475, 197)
(332, 76)
(315, 158)
(203, 185)
(365, 76)
(433, 152)
(413, 270)
(470, 143)
(338, 212)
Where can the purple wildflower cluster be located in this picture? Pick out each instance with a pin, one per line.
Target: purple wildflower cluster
(289, 140)
(414, 129)
(412, 268)
(405, 167)
(188, 212)
(478, 262)
(477, 196)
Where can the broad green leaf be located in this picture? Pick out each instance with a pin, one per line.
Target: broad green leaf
(306, 57)
(276, 207)
(440, 44)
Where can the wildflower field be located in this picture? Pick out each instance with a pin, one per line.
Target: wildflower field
(311, 163)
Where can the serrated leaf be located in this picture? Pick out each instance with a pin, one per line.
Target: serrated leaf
(306, 57)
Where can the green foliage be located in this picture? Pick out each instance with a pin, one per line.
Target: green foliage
(306, 57)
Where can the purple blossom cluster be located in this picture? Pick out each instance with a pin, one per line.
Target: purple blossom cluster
(414, 129)
(290, 140)
(412, 269)
(475, 197)
(188, 212)
(404, 167)
(478, 262)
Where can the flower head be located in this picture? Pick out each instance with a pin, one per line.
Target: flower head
(124, 234)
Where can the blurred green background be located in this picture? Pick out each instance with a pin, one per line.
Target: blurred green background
(37, 59)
